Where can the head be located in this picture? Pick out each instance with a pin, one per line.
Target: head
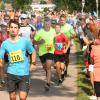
(53, 23)
(6, 18)
(97, 42)
(38, 19)
(62, 19)
(24, 19)
(33, 18)
(3, 27)
(14, 28)
(58, 28)
(16, 18)
(47, 23)
(28, 20)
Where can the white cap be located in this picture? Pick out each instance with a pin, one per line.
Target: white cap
(3, 23)
(23, 16)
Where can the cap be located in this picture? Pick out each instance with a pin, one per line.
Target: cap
(3, 24)
(23, 16)
(53, 21)
(47, 19)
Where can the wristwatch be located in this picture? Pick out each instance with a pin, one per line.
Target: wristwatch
(33, 62)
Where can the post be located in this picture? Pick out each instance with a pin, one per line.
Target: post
(97, 4)
(83, 4)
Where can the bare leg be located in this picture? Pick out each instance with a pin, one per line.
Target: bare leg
(98, 98)
(12, 95)
(48, 68)
(23, 95)
(58, 70)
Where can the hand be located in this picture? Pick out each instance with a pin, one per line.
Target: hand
(42, 41)
(65, 50)
(1, 65)
(72, 36)
(32, 67)
(55, 45)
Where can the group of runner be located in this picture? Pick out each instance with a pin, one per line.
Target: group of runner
(52, 39)
(49, 36)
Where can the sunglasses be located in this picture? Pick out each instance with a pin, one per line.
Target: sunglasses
(6, 19)
(23, 18)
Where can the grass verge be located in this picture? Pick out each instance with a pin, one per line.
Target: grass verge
(83, 84)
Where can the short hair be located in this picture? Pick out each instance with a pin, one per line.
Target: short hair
(46, 19)
(63, 16)
(6, 16)
(33, 15)
(15, 22)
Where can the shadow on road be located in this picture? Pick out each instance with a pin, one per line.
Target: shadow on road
(37, 89)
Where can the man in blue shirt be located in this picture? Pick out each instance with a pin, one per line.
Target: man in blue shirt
(18, 66)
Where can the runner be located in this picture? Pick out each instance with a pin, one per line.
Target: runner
(6, 18)
(68, 30)
(18, 66)
(26, 30)
(44, 39)
(60, 50)
(3, 36)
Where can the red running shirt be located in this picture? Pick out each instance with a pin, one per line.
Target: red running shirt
(60, 41)
(2, 38)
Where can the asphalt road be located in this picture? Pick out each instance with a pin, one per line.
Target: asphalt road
(66, 91)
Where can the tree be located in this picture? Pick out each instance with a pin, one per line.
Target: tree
(2, 6)
(43, 2)
(21, 4)
(76, 5)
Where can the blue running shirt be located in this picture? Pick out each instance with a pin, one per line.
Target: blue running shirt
(18, 60)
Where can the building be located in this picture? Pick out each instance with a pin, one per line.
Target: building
(36, 6)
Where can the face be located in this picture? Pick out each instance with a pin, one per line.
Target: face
(33, 19)
(24, 20)
(16, 18)
(7, 19)
(62, 20)
(57, 28)
(13, 30)
(47, 25)
(4, 28)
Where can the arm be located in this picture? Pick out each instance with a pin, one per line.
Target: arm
(67, 41)
(33, 61)
(32, 53)
(72, 32)
(1, 69)
(91, 57)
(37, 39)
(38, 42)
(2, 52)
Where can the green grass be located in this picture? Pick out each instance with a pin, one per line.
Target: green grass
(83, 84)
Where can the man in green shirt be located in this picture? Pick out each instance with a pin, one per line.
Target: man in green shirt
(44, 39)
(68, 30)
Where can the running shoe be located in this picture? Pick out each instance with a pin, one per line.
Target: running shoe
(47, 87)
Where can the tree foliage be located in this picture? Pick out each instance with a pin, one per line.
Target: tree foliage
(21, 4)
(2, 6)
(76, 5)
(43, 2)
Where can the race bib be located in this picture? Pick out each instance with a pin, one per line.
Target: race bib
(16, 56)
(59, 46)
(49, 47)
